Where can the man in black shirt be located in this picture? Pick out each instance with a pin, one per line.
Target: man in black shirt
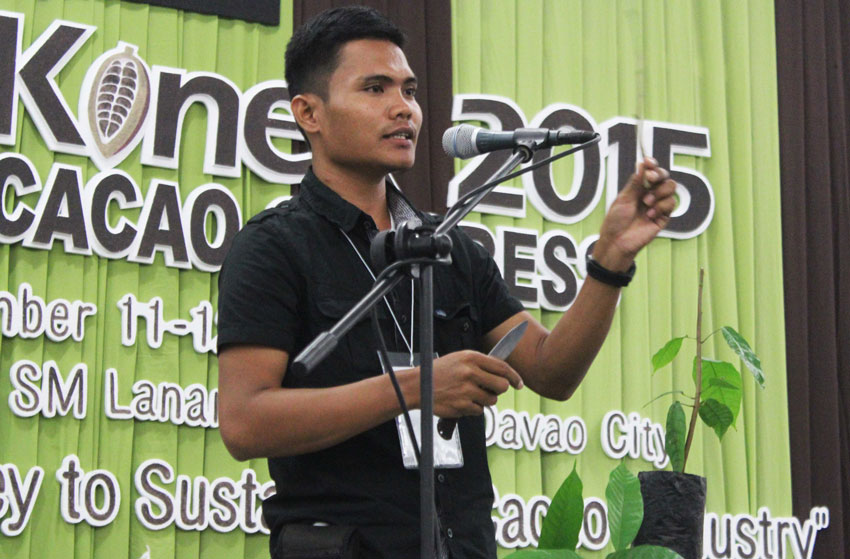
(331, 439)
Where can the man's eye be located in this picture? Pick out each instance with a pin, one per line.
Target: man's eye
(375, 88)
(410, 92)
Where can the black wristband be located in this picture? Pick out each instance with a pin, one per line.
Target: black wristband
(618, 279)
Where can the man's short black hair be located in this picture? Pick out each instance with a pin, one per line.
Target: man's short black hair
(313, 51)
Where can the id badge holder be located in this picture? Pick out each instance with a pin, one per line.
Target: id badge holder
(447, 453)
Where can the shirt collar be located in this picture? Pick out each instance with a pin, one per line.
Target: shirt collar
(326, 202)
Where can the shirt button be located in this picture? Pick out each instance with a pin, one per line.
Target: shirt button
(404, 319)
(441, 478)
(466, 326)
(449, 533)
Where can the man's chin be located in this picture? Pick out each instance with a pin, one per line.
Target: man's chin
(399, 166)
(376, 168)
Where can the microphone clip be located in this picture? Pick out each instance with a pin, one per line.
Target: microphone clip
(412, 240)
(529, 140)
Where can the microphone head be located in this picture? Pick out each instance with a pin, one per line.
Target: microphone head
(459, 141)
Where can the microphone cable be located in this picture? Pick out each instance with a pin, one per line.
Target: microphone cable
(384, 358)
(383, 353)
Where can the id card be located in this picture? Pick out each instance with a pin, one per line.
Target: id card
(447, 453)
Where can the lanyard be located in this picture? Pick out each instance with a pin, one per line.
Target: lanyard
(387, 303)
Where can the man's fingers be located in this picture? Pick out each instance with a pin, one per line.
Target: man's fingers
(494, 384)
(471, 381)
(484, 398)
(647, 176)
(665, 189)
(662, 210)
(660, 202)
(661, 192)
(656, 176)
(502, 369)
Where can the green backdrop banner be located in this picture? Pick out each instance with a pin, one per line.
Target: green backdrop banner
(136, 140)
(126, 168)
(697, 80)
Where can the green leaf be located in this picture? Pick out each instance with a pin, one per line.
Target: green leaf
(625, 506)
(719, 382)
(666, 353)
(674, 441)
(563, 521)
(544, 554)
(727, 391)
(740, 346)
(645, 552)
(716, 415)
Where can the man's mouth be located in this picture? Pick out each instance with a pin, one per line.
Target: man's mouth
(401, 134)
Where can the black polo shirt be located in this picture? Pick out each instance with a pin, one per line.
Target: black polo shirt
(292, 274)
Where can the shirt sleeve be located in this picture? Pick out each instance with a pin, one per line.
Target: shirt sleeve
(259, 290)
(495, 303)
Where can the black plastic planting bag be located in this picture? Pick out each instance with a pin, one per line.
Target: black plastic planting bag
(673, 512)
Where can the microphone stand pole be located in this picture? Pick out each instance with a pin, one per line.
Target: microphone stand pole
(325, 343)
(428, 532)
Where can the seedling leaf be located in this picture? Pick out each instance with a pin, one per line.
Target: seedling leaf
(716, 415)
(740, 346)
(645, 552)
(543, 554)
(563, 521)
(674, 443)
(625, 506)
(727, 392)
(720, 383)
(667, 353)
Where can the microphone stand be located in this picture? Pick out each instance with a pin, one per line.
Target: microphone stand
(326, 342)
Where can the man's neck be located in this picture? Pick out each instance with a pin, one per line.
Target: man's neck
(368, 193)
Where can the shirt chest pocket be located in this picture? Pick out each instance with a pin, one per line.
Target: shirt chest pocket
(455, 325)
(355, 356)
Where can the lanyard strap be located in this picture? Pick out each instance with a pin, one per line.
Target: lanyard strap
(387, 303)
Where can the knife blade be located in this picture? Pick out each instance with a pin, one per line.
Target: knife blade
(506, 345)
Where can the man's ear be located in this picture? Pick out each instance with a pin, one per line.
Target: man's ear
(306, 110)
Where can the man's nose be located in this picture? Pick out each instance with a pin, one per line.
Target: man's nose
(402, 106)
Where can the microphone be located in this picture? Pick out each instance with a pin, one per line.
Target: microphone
(465, 141)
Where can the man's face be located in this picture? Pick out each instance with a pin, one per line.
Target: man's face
(370, 120)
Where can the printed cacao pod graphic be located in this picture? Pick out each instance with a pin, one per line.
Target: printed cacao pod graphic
(118, 100)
